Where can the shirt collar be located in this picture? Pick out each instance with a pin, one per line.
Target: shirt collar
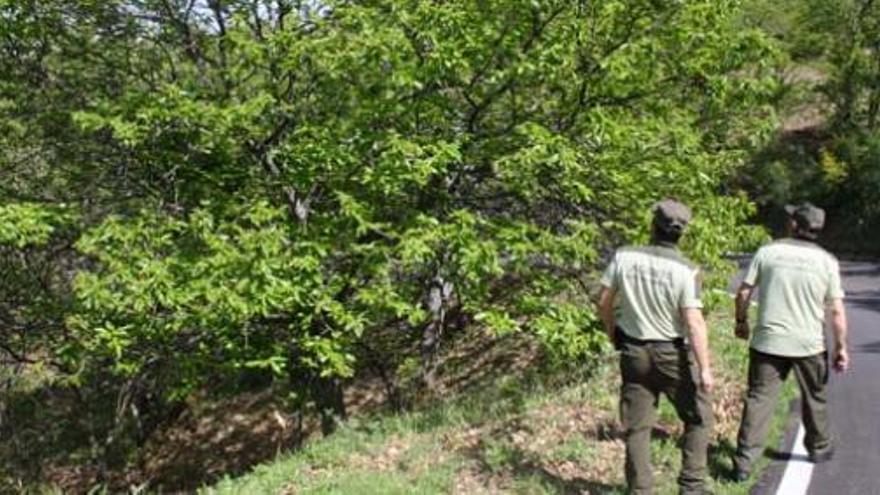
(799, 240)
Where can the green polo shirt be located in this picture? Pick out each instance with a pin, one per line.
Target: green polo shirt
(796, 280)
(653, 285)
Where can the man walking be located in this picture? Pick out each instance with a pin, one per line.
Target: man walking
(659, 316)
(797, 280)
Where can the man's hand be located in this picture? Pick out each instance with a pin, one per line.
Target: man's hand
(841, 359)
(743, 295)
(840, 330)
(699, 339)
(707, 381)
(606, 312)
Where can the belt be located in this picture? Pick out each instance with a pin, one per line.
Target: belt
(679, 342)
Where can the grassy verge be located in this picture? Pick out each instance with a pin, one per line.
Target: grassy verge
(521, 435)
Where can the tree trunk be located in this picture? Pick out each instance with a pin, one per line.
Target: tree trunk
(432, 334)
(330, 400)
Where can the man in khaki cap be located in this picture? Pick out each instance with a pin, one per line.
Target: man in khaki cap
(797, 281)
(658, 316)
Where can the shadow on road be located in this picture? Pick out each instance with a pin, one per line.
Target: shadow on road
(869, 348)
(865, 300)
(860, 270)
(864, 295)
(778, 455)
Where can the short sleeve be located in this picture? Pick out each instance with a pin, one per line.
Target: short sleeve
(690, 297)
(609, 277)
(835, 287)
(754, 270)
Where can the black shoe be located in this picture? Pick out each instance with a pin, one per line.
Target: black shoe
(818, 457)
(740, 476)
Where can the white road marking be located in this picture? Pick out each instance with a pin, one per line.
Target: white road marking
(798, 470)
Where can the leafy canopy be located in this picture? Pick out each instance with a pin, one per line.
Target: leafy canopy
(276, 185)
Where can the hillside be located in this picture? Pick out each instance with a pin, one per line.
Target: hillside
(532, 433)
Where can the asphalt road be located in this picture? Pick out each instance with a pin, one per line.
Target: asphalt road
(854, 397)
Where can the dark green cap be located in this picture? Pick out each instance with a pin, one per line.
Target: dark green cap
(671, 215)
(807, 216)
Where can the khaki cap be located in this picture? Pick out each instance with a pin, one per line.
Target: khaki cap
(807, 216)
(671, 215)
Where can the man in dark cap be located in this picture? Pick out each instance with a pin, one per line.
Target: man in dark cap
(797, 281)
(658, 318)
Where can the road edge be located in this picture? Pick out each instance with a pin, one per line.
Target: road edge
(771, 477)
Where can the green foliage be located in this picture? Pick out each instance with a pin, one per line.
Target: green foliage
(285, 189)
(832, 104)
(24, 224)
(834, 172)
(414, 144)
(851, 31)
(848, 32)
(710, 239)
(791, 23)
(32, 295)
(857, 155)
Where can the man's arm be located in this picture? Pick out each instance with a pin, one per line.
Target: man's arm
(743, 295)
(606, 311)
(840, 330)
(699, 338)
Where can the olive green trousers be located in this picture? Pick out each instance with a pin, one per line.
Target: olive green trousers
(648, 370)
(766, 375)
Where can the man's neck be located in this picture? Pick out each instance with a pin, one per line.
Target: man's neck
(666, 244)
(801, 238)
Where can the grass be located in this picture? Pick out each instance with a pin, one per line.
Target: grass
(521, 435)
